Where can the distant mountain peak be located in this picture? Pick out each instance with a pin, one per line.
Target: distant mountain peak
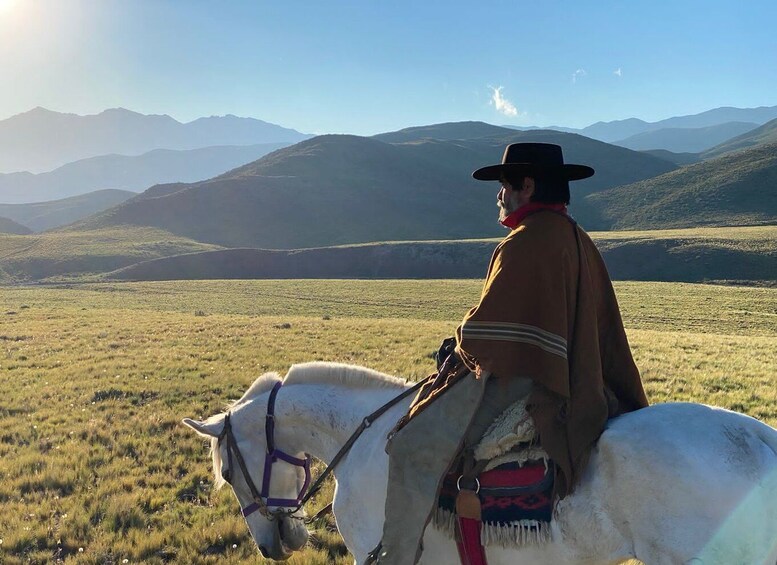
(119, 110)
(41, 140)
(39, 112)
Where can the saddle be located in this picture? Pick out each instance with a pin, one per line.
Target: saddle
(501, 493)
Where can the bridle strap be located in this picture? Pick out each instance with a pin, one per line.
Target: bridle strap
(261, 498)
(232, 446)
(269, 419)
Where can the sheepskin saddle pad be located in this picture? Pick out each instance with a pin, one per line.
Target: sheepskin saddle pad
(516, 487)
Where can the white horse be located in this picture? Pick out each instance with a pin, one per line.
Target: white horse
(670, 484)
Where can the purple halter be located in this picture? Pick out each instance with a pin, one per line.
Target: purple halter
(262, 500)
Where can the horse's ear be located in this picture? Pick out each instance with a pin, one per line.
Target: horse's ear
(212, 429)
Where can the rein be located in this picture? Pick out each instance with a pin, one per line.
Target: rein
(285, 506)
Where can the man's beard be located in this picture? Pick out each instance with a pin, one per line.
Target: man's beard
(506, 208)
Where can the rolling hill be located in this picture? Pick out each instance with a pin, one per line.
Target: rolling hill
(734, 189)
(41, 140)
(8, 226)
(694, 255)
(680, 159)
(767, 133)
(40, 216)
(69, 254)
(339, 189)
(135, 173)
(686, 140)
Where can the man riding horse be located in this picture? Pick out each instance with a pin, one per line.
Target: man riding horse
(547, 330)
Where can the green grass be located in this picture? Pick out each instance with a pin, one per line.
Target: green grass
(79, 253)
(94, 379)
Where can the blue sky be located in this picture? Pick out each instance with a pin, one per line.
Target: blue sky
(369, 66)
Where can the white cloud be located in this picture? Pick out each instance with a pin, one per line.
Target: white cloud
(618, 72)
(502, 105)
(578, 73)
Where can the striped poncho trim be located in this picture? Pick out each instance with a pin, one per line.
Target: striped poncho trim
(522, 333)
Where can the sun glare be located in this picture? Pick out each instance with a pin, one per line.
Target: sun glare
(6, 5)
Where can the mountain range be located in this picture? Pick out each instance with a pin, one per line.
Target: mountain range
(134, 173)
(686, 140)
(121, 149)
(41, 140)
(621, 129)
(415, 184)
(414, 189)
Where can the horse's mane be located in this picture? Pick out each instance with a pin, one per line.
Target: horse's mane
(316, 372)
(353, 376)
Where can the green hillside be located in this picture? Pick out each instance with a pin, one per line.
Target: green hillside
(9, 226)
(70, 253)
(762, 135)
(676, 158)
(733, 189)
(694, 255)
(340, 189)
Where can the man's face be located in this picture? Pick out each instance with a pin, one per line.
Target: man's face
(511, 198)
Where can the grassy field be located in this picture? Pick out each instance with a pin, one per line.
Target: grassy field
(94, 379)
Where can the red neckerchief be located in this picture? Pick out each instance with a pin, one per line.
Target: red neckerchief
(514, 220)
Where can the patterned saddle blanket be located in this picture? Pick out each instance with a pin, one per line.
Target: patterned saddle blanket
(516, 487)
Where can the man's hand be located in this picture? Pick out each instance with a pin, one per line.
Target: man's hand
(447, 347)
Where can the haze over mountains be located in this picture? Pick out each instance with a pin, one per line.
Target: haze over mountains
(686, 140)
(134, 173)
(40, 216)
(121, 149)
(41, 140)
(622, 129)
(694, 133)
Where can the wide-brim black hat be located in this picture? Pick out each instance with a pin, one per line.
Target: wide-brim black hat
(537, 160)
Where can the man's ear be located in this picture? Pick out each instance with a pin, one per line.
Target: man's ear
(528, 185)
(207, 429)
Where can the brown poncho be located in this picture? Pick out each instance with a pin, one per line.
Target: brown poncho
(533, 321)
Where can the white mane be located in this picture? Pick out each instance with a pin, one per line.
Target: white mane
(261, 385)
(321, 372)
(352, 376)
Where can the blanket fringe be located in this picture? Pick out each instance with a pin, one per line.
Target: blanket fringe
(515, 534)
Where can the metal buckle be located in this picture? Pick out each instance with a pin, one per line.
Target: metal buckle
(458, 484)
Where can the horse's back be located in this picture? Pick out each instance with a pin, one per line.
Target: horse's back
(687, 480)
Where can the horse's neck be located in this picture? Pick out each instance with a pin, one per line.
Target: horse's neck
(319, 419)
